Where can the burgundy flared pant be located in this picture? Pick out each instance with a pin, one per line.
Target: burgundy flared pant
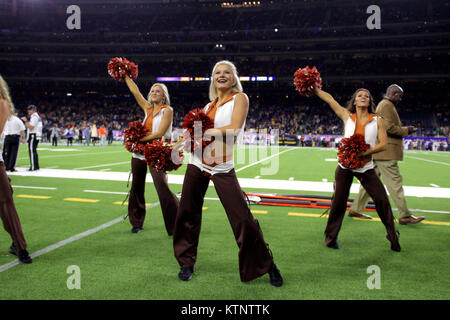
(255, 258)
(372, 183)
(136, 203)
(8, 212)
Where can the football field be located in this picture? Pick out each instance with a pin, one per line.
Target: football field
(72, 213)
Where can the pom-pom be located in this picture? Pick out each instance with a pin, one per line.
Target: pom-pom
(196, 121)
(349, 149)
(132, 135)
(119, 67)
(162, 157)
(306, 80)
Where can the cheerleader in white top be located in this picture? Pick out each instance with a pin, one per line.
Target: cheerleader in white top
(228, 110)
(359, 118)
(158, 122)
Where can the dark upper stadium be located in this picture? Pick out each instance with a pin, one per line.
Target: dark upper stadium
(63, 71)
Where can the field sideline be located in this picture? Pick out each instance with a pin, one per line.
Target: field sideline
(72, 215)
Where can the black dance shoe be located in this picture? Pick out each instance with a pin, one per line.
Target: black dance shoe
(275, 276)
(136, 229)
(185, 273)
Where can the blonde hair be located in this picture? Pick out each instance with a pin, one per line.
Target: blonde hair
(4, 94)
(237, 86)
(166, 99)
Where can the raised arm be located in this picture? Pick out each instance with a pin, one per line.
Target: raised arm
(143, 103)
(340, 111)
(165, 124)
(241, 105)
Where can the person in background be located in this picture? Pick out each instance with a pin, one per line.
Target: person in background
(94, 133)
(14, 131)
(102, 133)
(34, 127)
(54, 134)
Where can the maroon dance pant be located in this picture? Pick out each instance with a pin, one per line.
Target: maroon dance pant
(136, 204)
(255, 258)
(372, 183)
(8, 212)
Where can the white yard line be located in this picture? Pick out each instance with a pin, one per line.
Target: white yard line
(72, 155)
(262, 160)
(68, 240)
(30, 187)
(106, 192)
(434, 185)
(432, 161)
(103, 165)
(270, 184)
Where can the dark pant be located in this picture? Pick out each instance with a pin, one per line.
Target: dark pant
(136, 205)
(54, 141)
(32, 151)
(10, 150)
(255, 258)
(8, 212)
(372, 183)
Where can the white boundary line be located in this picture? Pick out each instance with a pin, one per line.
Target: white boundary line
(438, 162)
(72, 155)
(262, 160)
(103, 165)
(68, 240)
(30, 187)
(106, 192)
(271, 184)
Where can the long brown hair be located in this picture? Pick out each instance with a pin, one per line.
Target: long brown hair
(351, 103)
(4, 94)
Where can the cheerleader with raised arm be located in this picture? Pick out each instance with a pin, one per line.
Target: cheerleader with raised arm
(360, 121)
(158, 123)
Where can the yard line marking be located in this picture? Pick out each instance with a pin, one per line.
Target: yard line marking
(314, 215)
(438, 162)
(324, 180)
(291, 178)
(67, 241)
(271, 184)
(72, 155)
(331, 159)
(31, 187)
(259, 211)
(103, 165)
(440, 223)
(81, 200)
(107, 192)
(262, 160)
(425, 210)
(147, 204)
(32, 197)
(257, 177)
(107, 169)
(434, 185)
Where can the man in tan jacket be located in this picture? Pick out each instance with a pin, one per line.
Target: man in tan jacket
(386, 162)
